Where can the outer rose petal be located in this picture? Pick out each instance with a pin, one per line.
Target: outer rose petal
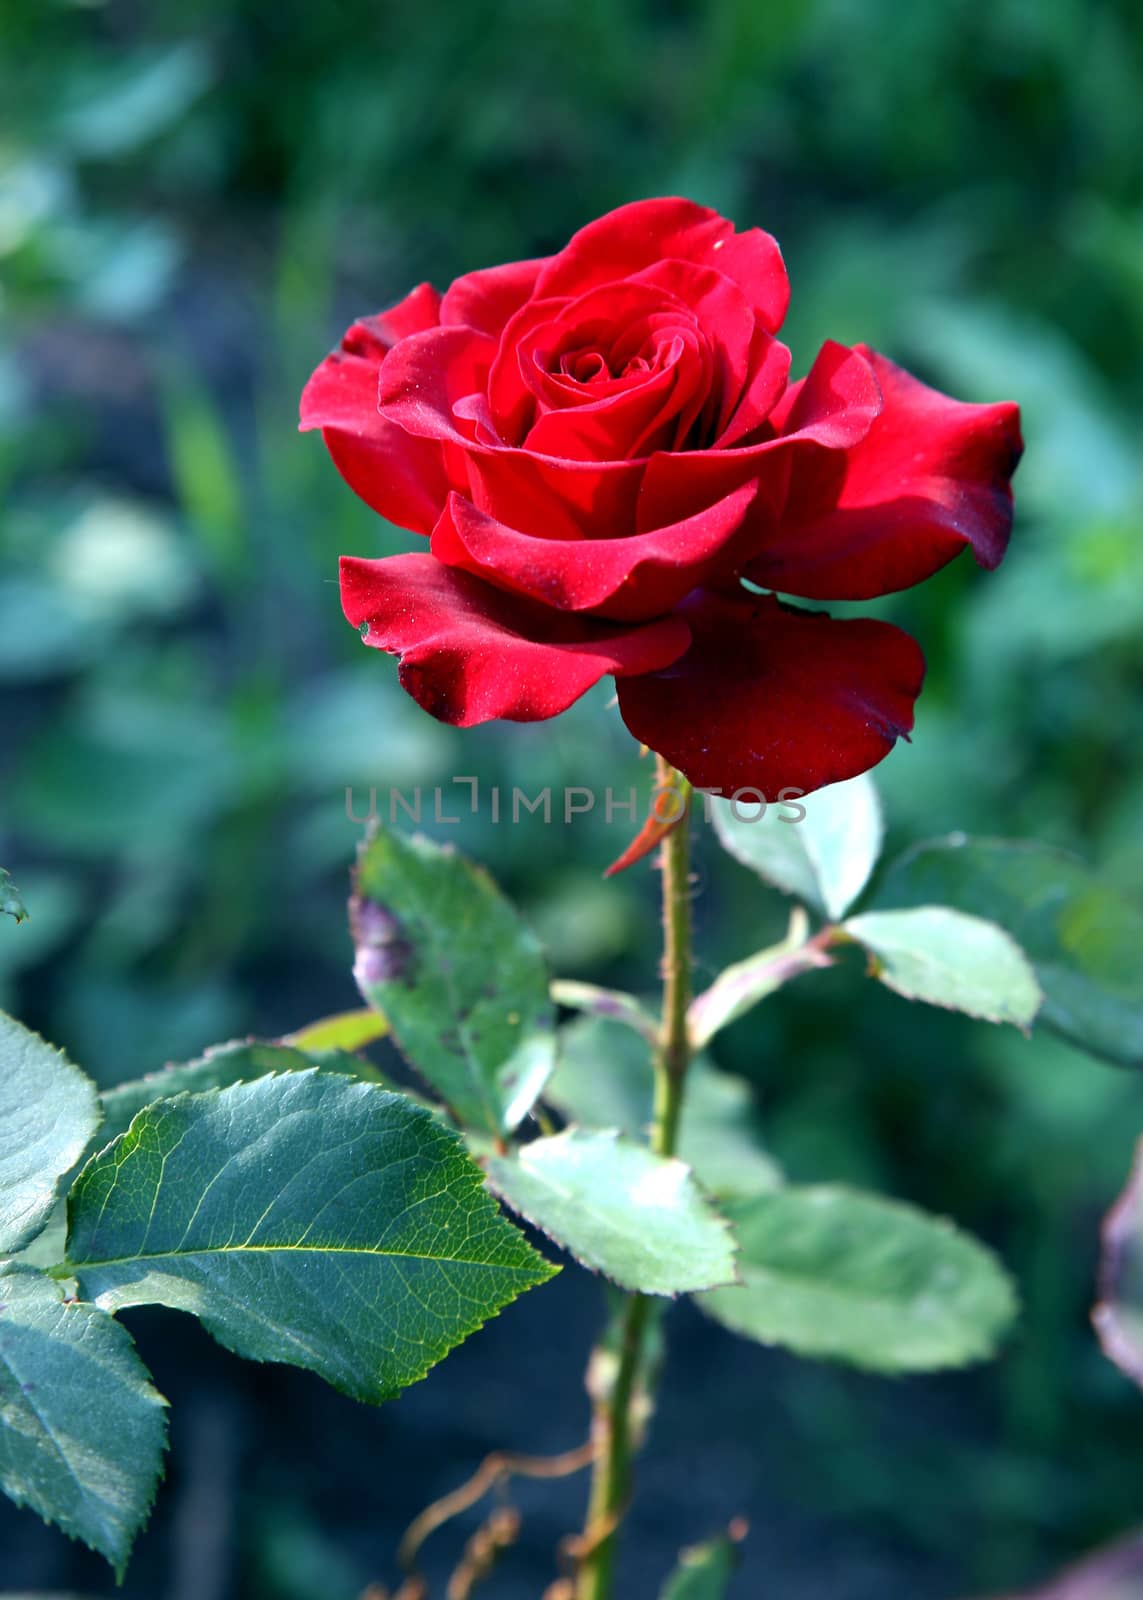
(630, 580)
(931, 476)
(470, 653)
(420, 309)
(833, 407)
(402, 478)
(426, 374)
(647, 231)
(486, 299)
(770, 698)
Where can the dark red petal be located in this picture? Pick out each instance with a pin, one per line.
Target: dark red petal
(470, 652)
(486, 299)
(419, 385)
(630, 579)
(833, 407)
(931, 476)
(402, 478)
(538, 409)
(634, 422)
(647, 231)
(772, 698)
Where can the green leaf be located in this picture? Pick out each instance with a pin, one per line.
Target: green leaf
(1082, 936)
(1118, 1317)
(10, 901)
(704, 1571)
(739, 988)
(48, 1113)
(82, 1431)
(305, 1218)
(948, 959)
(638, 1218)
(604, 1080)
(843, 1276)
(239, 1061)
(445, 957)
(825, 858)
(348, 1031)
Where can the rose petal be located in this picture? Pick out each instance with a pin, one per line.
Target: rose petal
(833, 407)
(648, 231)
(402, 478)
(626, 426)
(768, 373)
(559, 499)
(728, 324)
(422, 380)
(424, 376)
(470, 653)
(630, 580)
(540, 409)
(931, 476)
(486, 299)
(771, 698)
(420, 309)
(512, 392)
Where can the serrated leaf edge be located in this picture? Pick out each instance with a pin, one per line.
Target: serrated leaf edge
(151, 1393)
(543, 1269)
(975, 1355)
(879, 970)
(705, 1197)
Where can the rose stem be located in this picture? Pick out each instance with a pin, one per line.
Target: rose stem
(626, 1340)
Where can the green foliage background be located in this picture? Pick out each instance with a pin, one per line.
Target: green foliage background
(194, 199)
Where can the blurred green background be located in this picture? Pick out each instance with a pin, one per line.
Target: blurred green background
(195, 197)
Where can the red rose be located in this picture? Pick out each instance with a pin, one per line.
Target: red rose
(600, 445)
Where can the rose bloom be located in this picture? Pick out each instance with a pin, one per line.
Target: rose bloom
(600, 446)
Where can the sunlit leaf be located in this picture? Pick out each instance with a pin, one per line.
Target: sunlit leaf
(304, 1218)
(844, 1276)
(48, 1112)
(949, 959)
(1081, 934)
(239, 1061)
(636, 1217)
(824, 858)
